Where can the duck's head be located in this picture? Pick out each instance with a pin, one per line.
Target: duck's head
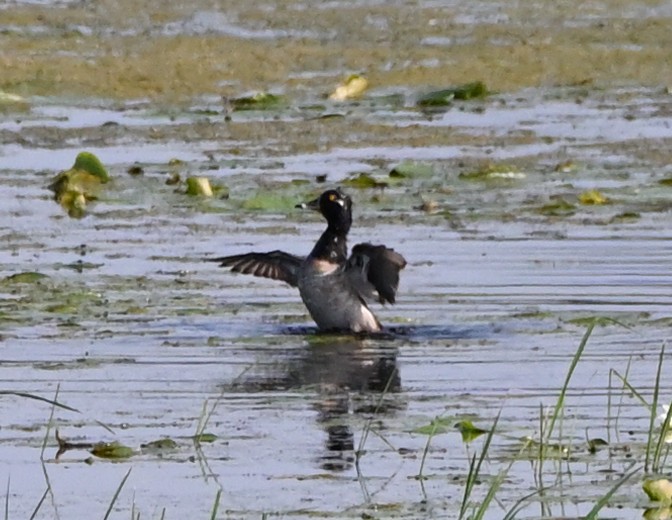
(335, 206)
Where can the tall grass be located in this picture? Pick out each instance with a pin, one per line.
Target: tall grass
(472, 478)
(116, 494)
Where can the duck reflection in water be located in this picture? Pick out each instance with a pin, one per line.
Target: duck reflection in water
(349, 374)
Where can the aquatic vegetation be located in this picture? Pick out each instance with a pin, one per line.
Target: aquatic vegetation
(593, 198)
(199, 186)
(658, 490)
(74, 188)
(492, 171)
(258, 101)
(445, 97)
(353, 87)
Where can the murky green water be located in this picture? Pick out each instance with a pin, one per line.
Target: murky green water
(138, 332)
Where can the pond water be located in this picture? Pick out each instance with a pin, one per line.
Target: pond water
(507, 264)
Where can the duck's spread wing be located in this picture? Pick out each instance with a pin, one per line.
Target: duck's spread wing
(277, 265)
(374, 270)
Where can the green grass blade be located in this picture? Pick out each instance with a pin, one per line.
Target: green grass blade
(215, 506)
(575, 361)
(515, 509)
(369, 422)
(50, 422)
(9, 479)
(592, 515)
(654, 410)
(435, 425)
(632, 389)
(39, 398)
(39, 504)
(494, 487)
(116, 494)
(666, 424)
(475, 468)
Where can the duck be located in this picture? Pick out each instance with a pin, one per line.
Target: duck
(335, 288)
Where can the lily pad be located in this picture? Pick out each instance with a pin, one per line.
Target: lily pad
(259, 101)
(437, 426)
(594, 445)
(445, 97)
(73, 188)
(111, 450)
(468, 431)
(626, 216)
(558, 207)
(25, 277)
(659, 490)
(363, 181)
(205, 437)
(199, 186)
(159, 445)
(593, 197)
(492, 171)
(89, 163)
(269, 201)
(567, 166)
(352, 87)
(410, 169)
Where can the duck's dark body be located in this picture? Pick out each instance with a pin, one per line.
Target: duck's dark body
(332, 287)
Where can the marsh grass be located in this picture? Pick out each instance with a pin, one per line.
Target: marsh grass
(201, 436)
(656, 448)
(653, 454)
(9, 480)
(367, 426)
(472, 478)
(116, 494)
(215, 506)
(592, 514)
(359, 453)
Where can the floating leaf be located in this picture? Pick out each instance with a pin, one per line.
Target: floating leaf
(659, 490)
(259, 101)
(593, 197)
(626, 216)
(445, 97)
(657, 513)
(491, 171)
(469, 431)
(364, 180)
(111, 450)
(565, 167)
(412, 169)
(73, 188)
(62, 308)
(165, 444)
(205, 437)
(270, 202)
(352, 87)
(667, 181)
(199, 186)
(437, 426)
(558, 207)
(25, 277)
(89, 163)
(595, 444)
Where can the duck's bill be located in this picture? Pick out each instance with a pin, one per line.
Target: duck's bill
(313, 204)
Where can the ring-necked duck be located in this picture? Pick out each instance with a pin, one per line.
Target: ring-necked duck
(332, 286)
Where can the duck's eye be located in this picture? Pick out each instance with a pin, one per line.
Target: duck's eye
(332, 197)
